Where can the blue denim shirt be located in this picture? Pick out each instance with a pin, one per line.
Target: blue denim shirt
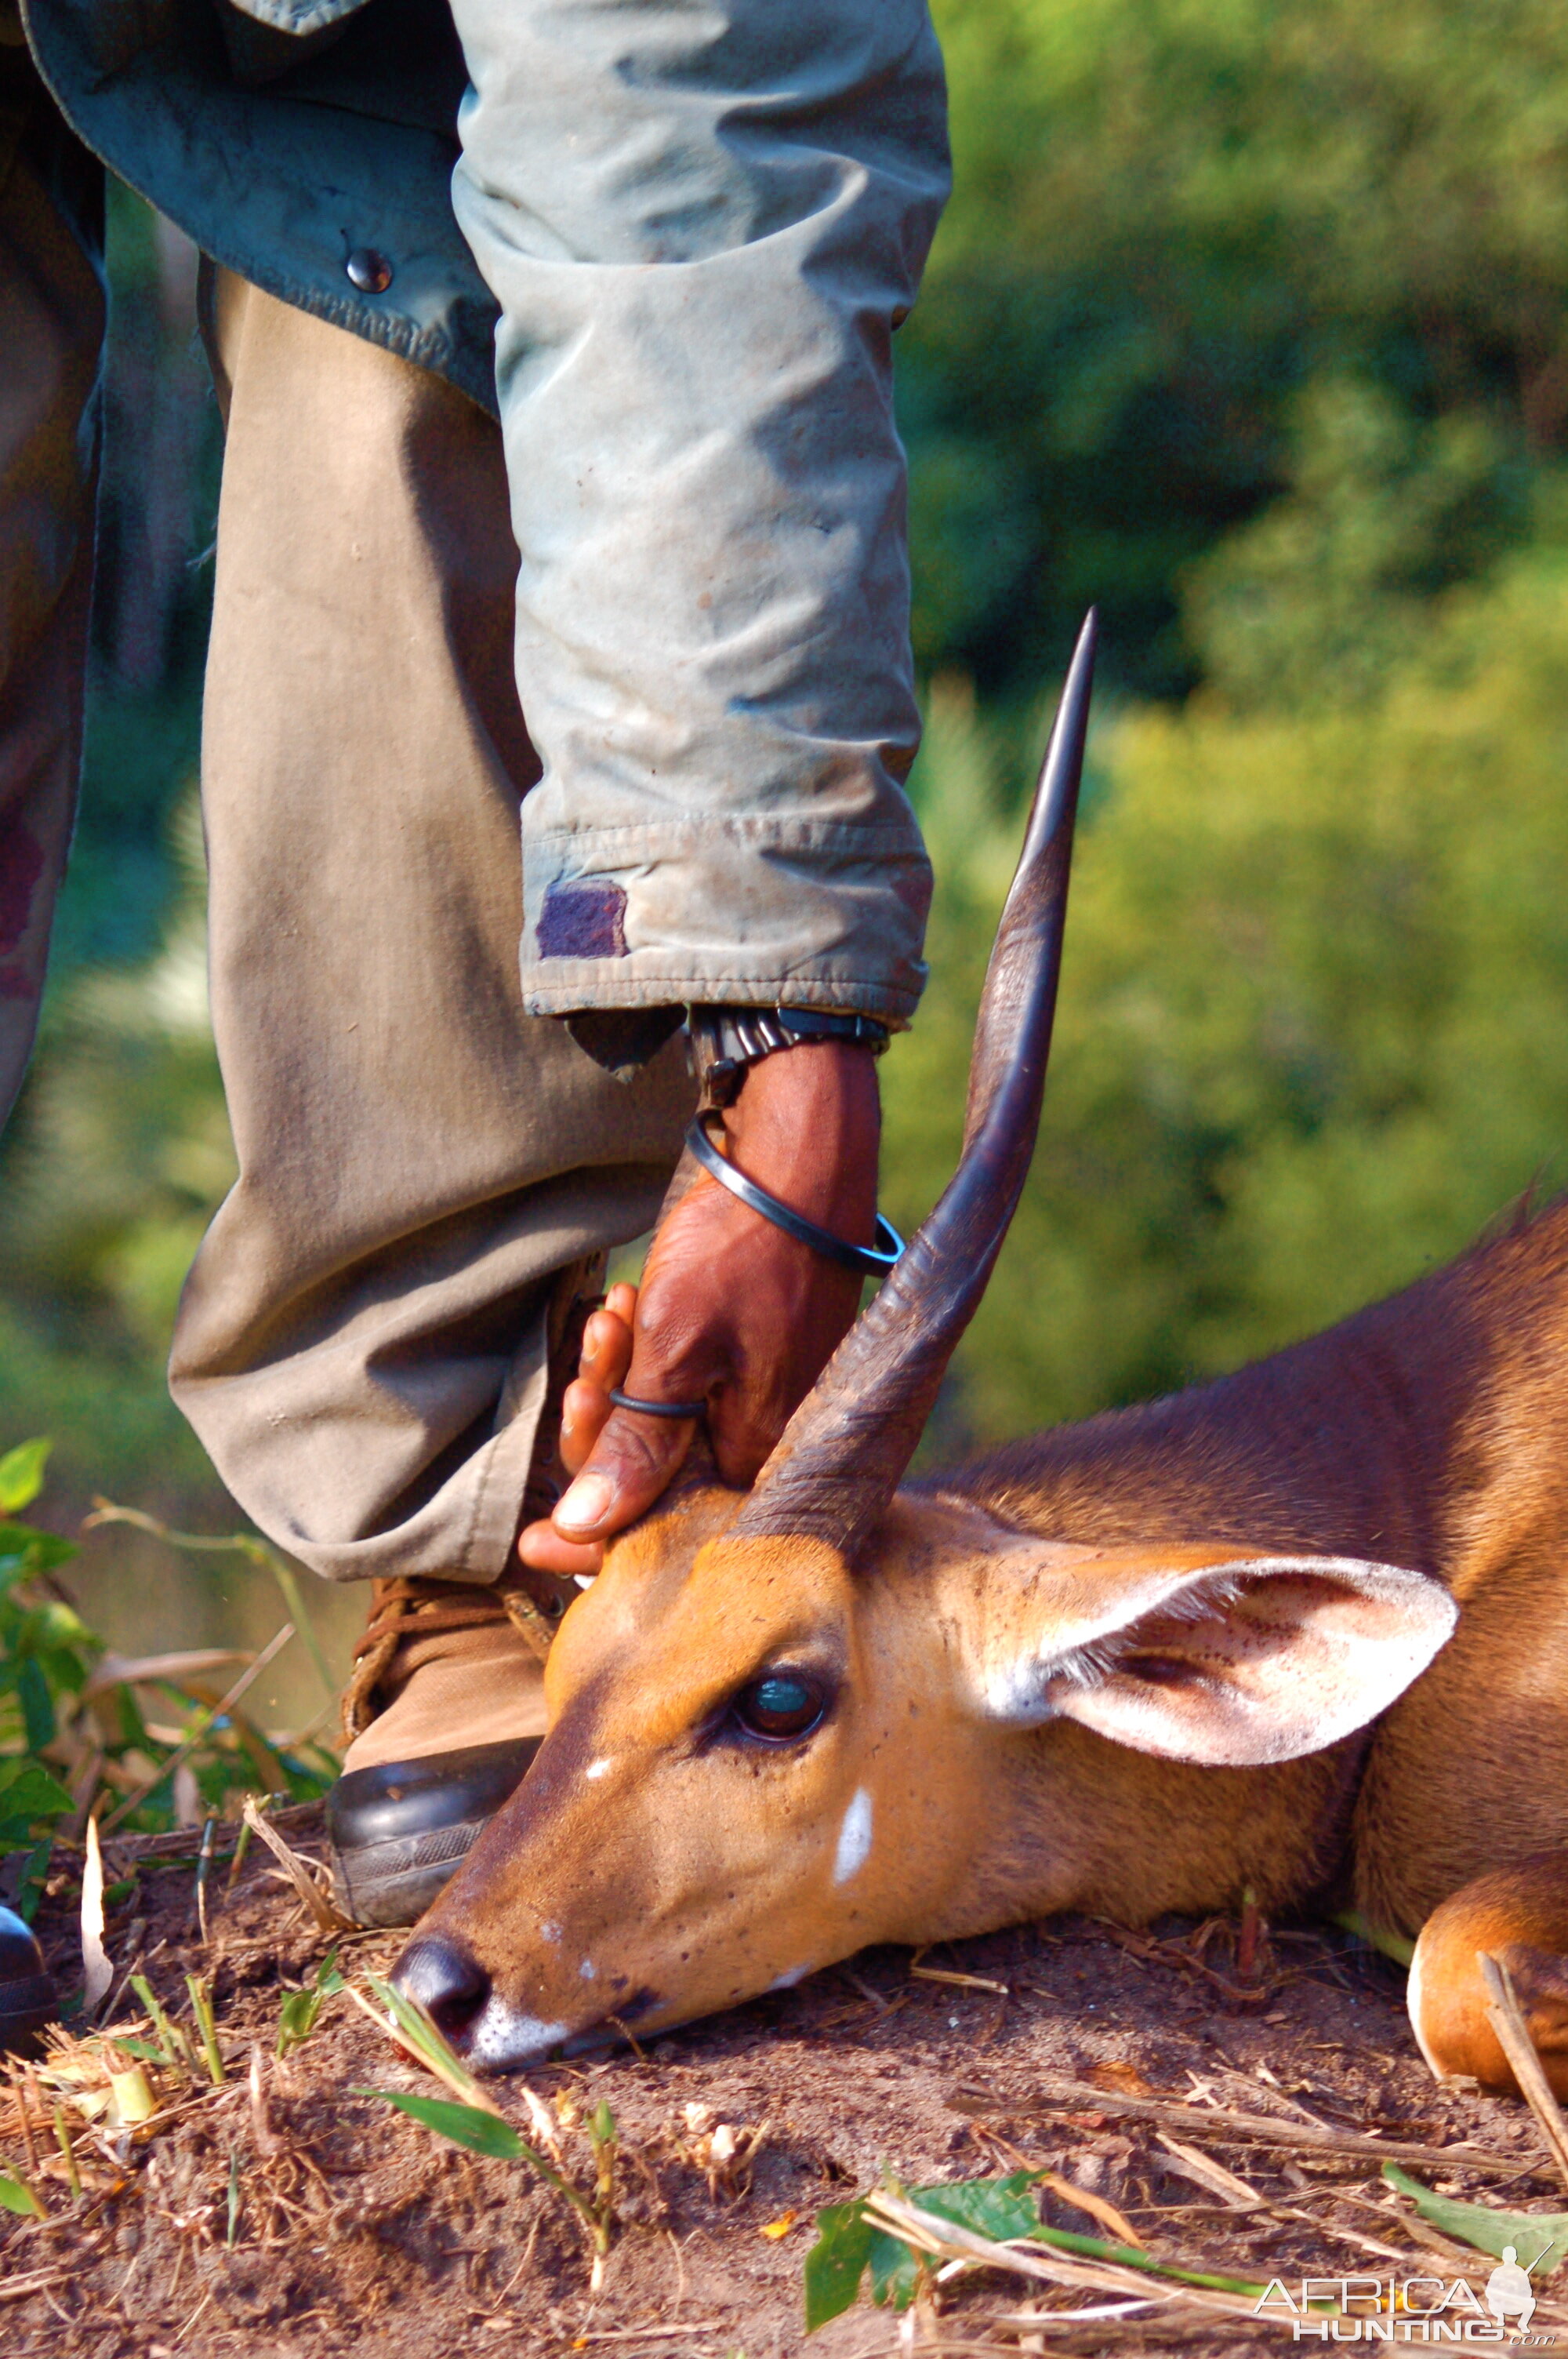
(667, 243)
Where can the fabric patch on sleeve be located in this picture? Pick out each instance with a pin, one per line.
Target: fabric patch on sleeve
(583, 921)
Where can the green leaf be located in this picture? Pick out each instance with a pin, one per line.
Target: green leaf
(27, 1794)
(836, 2263)
(16, 2196)
(997, 2208)
(24, 1551)
(1538, 2237)
(847, 2243)
(895, 2271)
(22, 1475)
(422, 2035)
(37, 1706)
(464, 2124)
(296, 2018)
(30, 1879)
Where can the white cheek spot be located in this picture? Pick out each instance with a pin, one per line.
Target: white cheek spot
(549, 1930)
(854, 1838)
(788, 1979)
(588, 1969)
(597, 1768)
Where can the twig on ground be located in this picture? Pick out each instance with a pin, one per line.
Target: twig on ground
(329, 1917)
(1079, 2096)
(963, 1982)
(1507, 2019)
(22, 2289)
(944, 2240)
(1204, 2172)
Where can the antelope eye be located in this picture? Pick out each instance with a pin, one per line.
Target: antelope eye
(779, 1705)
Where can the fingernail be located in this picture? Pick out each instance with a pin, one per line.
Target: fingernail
(585, 1505)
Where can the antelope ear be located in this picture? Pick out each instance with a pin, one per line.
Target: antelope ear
(1204, 1654)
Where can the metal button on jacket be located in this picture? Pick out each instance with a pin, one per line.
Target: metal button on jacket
(371, 272)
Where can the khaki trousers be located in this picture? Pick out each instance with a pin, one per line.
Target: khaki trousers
(423, 1169)
(426, 1173)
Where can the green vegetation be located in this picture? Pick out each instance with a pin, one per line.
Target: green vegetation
(1249, 322)
(898, 2234)
(474, 2119)
(848, 2244)
(1188, 243)
(1312, 1014)
(1535, 2236)
(76, 1721)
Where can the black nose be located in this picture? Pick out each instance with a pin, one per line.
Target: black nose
(450, 1985)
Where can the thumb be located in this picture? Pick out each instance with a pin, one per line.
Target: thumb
(636, 1458)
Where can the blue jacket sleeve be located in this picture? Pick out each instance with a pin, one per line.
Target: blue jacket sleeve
(702, 220)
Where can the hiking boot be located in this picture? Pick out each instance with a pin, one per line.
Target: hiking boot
(27, 1999)
(444, 1712)
(445, 1707)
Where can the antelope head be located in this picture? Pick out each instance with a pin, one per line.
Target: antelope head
(787, 1723)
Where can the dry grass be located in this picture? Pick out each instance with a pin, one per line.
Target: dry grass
(201, 2192)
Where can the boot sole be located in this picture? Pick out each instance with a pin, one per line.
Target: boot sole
(399, 1832)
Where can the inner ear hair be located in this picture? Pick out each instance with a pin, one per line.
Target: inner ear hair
(1121, 1653)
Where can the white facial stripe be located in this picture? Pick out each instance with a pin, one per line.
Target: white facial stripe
(854, 1838)
(597, 1768)
(588, 1969)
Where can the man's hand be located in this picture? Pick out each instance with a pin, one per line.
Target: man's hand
(730, 1310)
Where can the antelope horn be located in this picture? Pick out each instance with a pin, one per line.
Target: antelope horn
(847, 1447)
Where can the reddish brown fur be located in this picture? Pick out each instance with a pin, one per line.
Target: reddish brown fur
(1431, 1431)
(1427, 1432)
(1519, 1916)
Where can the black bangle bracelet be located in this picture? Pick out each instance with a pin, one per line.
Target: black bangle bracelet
(871, 1261)
(658, 1409)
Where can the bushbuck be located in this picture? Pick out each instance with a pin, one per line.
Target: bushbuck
(1302, 1630)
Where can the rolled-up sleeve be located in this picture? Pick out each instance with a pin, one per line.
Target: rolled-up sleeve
(702, 220)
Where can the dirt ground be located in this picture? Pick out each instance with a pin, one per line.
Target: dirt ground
(300, 2218)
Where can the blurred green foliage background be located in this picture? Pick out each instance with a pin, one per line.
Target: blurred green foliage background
(1248, 321)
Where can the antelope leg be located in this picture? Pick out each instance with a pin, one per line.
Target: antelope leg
(1520, 1916)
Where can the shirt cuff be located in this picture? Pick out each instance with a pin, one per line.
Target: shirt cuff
(748, 910)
